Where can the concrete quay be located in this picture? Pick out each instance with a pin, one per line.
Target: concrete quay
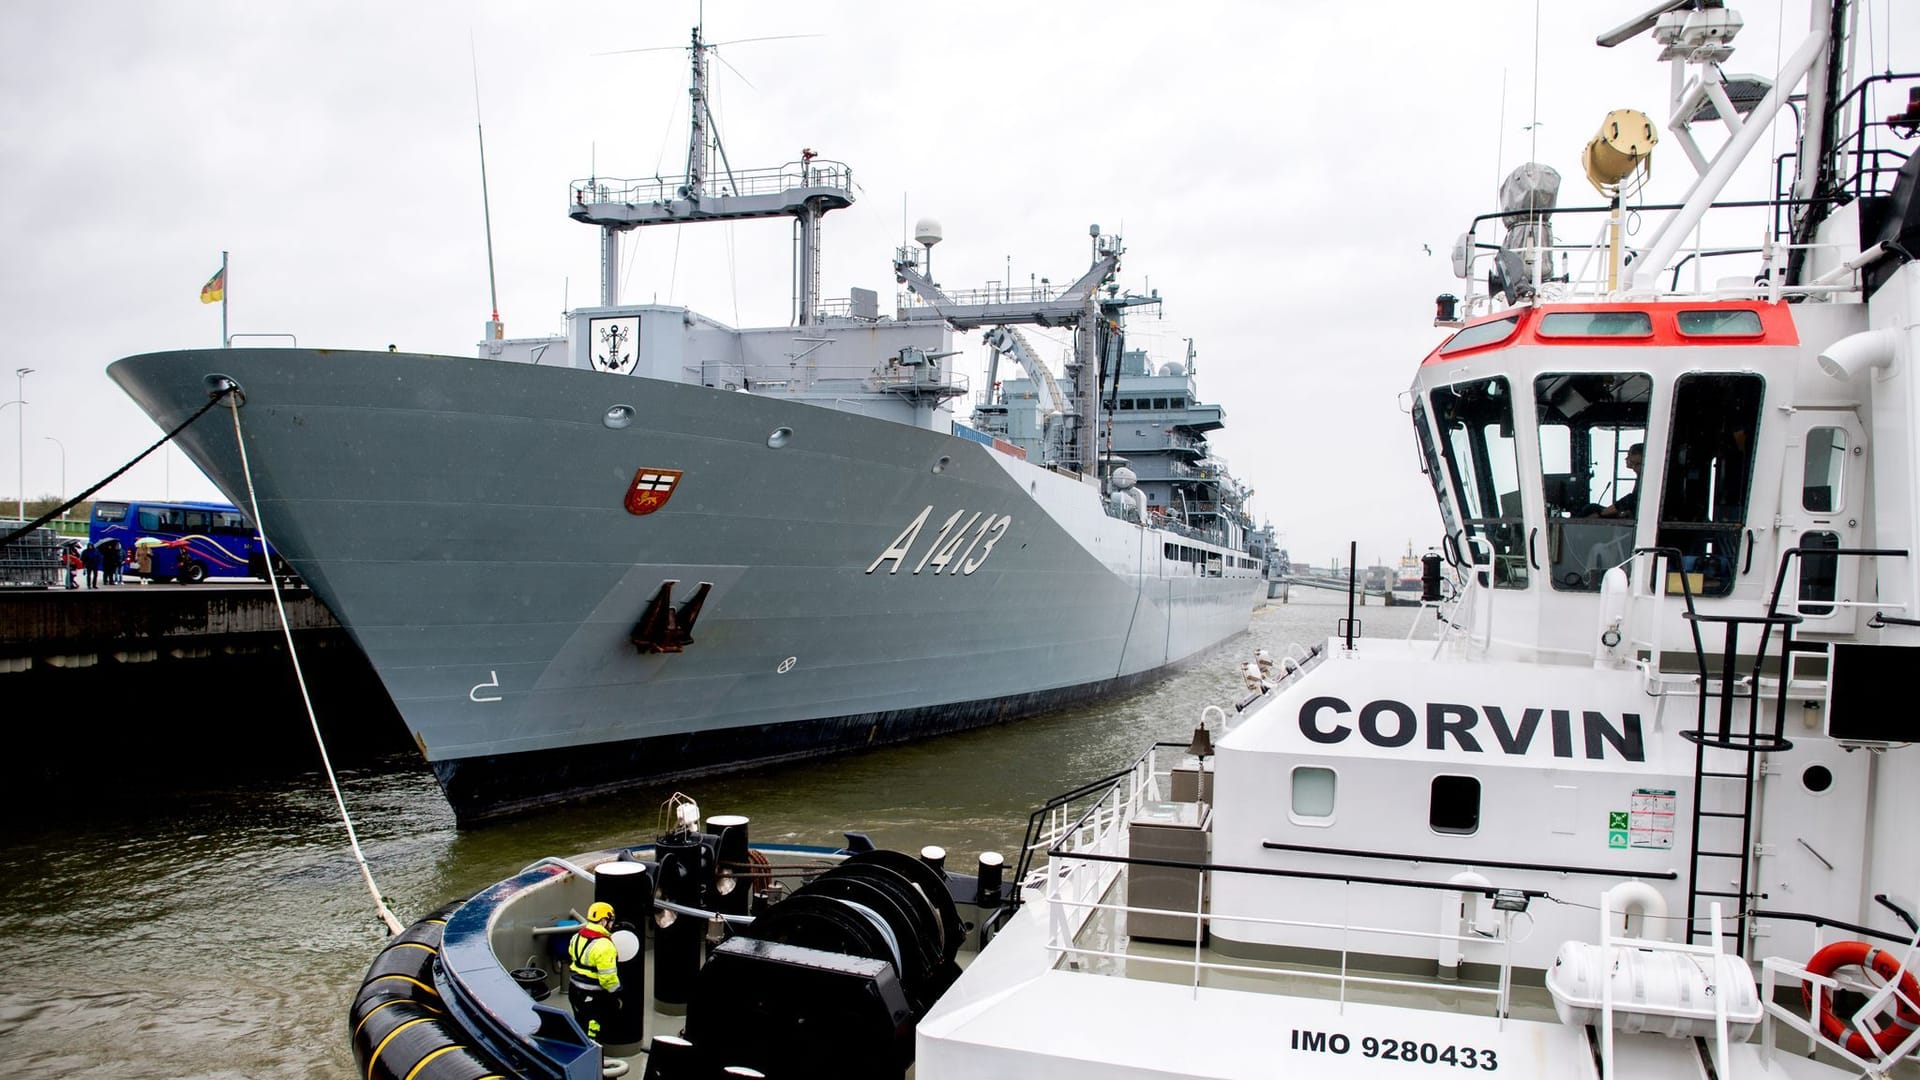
(135, 623)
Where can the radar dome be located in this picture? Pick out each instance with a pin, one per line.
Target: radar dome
(1173, 370)
(1123, 478)
(927, 231)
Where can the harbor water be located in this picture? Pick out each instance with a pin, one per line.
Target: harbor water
(218, 927)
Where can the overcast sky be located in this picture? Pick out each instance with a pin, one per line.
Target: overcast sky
(1288, 175)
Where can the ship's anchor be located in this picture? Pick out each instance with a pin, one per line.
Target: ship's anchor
(664, 628)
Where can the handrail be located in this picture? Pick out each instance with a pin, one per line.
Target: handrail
(1550, 868)
(1498, 992)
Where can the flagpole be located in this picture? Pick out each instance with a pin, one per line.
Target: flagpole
(225, 341)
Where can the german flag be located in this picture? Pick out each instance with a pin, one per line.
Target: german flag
(215, 290)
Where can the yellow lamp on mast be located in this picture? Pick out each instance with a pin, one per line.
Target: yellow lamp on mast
(1619, 158)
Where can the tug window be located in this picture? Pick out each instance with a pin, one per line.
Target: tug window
(1726, 322)
(1430, 464)
(1455, 805)
(1819, 573)
(1708, 476)
(1476, 439)
(1596, 324)
(1481, 334)
(1312, 795)
(1826, 464)
(1589, 422)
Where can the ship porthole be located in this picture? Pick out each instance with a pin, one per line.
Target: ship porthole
(618, 416)
(1817, 778)
(941, 465)
(779, 437)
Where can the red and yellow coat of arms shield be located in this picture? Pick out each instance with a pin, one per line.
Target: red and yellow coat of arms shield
(650, 490)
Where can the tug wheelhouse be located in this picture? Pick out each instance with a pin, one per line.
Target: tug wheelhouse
(1563, 438)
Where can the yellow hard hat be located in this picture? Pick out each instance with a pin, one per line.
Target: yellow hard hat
(601, 911)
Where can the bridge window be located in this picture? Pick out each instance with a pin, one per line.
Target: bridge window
(1126, 404)
(1825, 465)
(1312, 795)
(1454, 806)
(1596, 324)
(1484, 333)
(1709, 473)
(1589, 423)
(1159, 403)
(1178, 403)
(1730, 322)
(1476, 439)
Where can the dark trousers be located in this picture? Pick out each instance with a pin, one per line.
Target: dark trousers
(591, 1004)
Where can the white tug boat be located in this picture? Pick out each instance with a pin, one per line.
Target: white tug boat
(1641, 809)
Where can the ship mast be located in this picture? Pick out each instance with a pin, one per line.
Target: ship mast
(803, 190)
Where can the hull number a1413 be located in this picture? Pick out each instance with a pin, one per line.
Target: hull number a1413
(1410, 1051)
(952, 551)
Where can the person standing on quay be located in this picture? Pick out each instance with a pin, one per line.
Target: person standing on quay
(90, 562)
(112, 561)
(592, 978)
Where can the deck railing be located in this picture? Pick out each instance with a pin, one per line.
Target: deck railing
(1087, 852)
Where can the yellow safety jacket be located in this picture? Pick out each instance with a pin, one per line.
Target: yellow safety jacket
(591, 957)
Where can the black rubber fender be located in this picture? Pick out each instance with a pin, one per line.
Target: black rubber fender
(400, 1029)
(424, 1048)
(380, 1022)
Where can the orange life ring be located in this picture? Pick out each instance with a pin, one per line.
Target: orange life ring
(1882, 963)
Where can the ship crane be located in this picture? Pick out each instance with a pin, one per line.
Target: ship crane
(1006, 341)
(1080, 306)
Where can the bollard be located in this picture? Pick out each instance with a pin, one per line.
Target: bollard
(629, 888)
(987, 895)
(733, 880)
(679, 941)
(671, 1058)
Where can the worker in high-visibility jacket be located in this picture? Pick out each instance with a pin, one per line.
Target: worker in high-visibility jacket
(592, 978)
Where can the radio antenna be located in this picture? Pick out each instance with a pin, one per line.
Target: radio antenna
(494, 329)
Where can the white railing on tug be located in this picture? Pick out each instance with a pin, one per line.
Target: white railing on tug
(1087, 855)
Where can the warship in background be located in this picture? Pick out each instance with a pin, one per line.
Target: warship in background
(780, 542)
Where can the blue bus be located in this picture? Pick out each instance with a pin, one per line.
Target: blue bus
(187, 542)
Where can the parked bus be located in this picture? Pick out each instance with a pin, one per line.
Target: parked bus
(188, 541)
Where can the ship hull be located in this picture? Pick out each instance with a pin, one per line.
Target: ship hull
(468, 522)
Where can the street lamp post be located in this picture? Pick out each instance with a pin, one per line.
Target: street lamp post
(63, 468)
(20, 394)
(3, 405)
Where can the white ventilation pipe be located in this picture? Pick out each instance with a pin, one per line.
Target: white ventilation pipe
(1855, 353)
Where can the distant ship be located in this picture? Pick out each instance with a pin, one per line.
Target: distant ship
(661, 546)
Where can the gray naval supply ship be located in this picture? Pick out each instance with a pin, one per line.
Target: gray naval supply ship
(661, 546)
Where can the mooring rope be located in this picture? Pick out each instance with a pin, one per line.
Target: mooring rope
(218, 396)
(273, 580)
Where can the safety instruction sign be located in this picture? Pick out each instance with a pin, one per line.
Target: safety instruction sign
(1650, 818)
